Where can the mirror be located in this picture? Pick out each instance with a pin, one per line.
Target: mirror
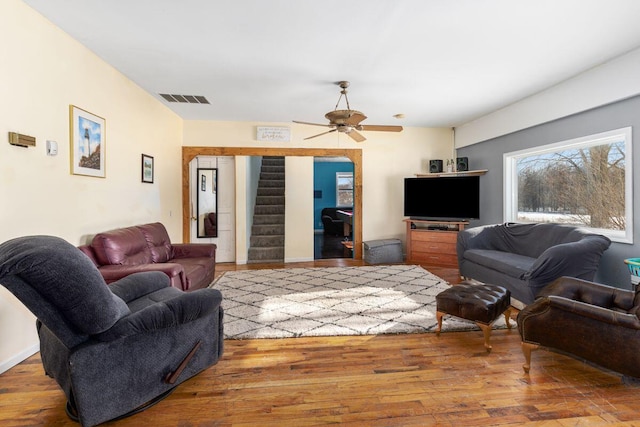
(207, 202)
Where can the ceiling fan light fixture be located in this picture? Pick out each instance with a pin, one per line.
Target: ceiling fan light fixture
(348, 121)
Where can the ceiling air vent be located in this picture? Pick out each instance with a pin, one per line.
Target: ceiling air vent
(188, 99)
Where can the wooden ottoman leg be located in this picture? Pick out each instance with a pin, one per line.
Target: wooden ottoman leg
(439, 315)
(486, 330)
(507, 317)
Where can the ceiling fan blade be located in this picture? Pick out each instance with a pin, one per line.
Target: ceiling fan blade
(356, 136)
(355, 118)
(381, 128)
(320, 134)
(313, 124)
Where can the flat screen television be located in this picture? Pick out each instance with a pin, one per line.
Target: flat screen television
(443, 198)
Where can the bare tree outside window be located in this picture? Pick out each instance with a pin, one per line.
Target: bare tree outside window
(584, 183)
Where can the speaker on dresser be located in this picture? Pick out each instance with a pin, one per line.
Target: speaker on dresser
(435, 166)
(462, 164)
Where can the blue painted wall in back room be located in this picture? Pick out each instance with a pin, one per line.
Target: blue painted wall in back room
(489, 155)
(324, 180)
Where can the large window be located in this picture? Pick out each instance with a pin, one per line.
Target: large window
(584, 182)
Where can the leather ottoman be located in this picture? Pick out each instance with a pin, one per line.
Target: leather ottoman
(478, 302)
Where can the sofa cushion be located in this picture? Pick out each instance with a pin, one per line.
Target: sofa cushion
(509, 263)
(124, 246)
(198, 271)
(158, 241)
(119, 253)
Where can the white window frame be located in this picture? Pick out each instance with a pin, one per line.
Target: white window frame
(510, 160)
(342, 175)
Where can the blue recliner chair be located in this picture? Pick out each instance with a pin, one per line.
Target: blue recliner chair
(113, 349)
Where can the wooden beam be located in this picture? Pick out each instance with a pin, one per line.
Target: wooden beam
(355, 155)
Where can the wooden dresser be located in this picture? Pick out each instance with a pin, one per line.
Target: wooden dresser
(433, 243)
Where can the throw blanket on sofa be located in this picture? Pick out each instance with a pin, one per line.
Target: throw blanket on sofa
(524, 258)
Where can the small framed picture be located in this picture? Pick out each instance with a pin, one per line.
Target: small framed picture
(147, 169)
(88, 143)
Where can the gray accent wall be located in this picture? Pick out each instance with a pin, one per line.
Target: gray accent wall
(489, 155)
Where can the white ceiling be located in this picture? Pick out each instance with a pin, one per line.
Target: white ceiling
(441, 63)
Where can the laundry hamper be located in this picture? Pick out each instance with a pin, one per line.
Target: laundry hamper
(384, 251)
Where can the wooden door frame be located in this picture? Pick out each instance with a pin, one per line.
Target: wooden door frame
(355, 155)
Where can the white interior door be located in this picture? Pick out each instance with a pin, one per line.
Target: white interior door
(225, 240)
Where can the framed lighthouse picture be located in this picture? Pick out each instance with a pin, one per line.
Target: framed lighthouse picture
(88, 143)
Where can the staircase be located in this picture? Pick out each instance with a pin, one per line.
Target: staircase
(267, 233)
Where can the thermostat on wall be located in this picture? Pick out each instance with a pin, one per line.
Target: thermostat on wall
(52, 148)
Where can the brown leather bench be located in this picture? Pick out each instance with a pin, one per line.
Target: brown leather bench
(478, 302)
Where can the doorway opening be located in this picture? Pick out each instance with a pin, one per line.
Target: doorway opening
(354, 155)
(333, 202)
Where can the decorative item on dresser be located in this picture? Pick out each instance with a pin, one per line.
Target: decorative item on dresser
(435, 166)
(433, 243)
(462, 164)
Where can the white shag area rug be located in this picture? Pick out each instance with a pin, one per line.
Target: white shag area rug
(296, 302)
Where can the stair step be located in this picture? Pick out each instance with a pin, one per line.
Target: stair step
(271, 191)
(269, 200)
(267, 229)
(270, 183)
(267, 219)
(268, 209)
(279, 176)
(273, 169)
(266, 254)
(267, 242)
(273, 160)
(265, 261)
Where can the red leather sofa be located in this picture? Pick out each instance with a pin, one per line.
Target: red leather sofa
(118, 253)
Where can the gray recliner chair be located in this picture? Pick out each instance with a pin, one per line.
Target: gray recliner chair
(113, 349)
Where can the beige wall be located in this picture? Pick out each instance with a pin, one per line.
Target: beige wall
(298, 231)
(387, 159)
(43, 72)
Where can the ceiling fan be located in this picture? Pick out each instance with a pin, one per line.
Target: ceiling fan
(348, 121)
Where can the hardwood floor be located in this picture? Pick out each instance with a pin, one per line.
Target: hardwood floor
(385, 380)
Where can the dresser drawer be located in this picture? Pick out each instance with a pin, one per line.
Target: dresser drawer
(433, 246)
(435, 259)
(434, 236)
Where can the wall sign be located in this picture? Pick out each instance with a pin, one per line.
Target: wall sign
(278, 134)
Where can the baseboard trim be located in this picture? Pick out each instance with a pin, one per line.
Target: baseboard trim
(298, 259)
(24, 354)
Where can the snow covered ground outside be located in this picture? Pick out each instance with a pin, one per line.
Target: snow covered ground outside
(550, 217)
